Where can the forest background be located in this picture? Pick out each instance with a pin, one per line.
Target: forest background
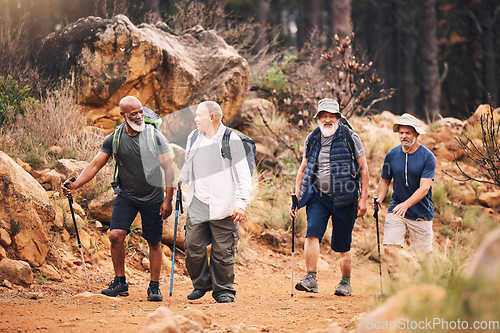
(440, 56)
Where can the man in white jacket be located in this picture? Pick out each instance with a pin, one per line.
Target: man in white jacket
(219, 191)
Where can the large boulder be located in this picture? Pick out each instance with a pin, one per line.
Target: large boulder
(107, 59)
(483, 111)
(102, 206)
(16, 271)
(249, 111)
(25, 203)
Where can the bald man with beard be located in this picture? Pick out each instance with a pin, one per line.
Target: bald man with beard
(140, 190)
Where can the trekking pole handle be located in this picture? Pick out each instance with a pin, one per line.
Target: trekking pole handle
(295, 201)
(178, 200)
(69, 196)
(377, 205)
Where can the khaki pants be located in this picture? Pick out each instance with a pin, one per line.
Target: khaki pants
(223, 235)
(420, 231)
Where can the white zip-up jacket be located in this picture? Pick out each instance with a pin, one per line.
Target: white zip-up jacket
(229, 187)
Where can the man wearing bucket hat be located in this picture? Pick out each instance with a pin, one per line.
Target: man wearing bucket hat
(328, 185)
(410, 166)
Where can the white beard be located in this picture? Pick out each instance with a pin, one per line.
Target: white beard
(135, 127)
(328, 131)
(407, 145)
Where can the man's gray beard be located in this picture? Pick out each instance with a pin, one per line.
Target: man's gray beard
(408, 145)
(328, 131)
(135, 127)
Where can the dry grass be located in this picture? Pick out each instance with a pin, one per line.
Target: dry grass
(270, 206)
(379, 142)
(52, 122)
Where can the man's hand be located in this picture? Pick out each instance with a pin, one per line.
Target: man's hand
(166, 209)
(361, 208)
(69, 189)
(400, 210)
(378, 202)
(237, 214)
(292, 212)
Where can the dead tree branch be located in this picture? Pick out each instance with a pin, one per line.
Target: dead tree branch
(279, 138)
(486, 157)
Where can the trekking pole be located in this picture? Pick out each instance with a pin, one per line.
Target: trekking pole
(70, 199)
(295, 203)
(178, 204)
(375, 215)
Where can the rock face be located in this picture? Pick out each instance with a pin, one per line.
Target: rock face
(24, 203)
(107, 59)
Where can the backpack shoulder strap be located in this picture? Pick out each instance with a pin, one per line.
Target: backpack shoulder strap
(151, 138)
(116, 139)
(193, 138)
(114, 146)
(349, 142)
(346, 133)
(311, 138)
(225, 150)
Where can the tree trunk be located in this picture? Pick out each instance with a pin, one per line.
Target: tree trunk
(260, 12)
(431, 85)
(382, 49)
(309, 23)
(490, 84)
(407, 35)
(341, 10)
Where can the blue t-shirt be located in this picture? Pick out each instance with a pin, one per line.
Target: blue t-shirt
(420, 164)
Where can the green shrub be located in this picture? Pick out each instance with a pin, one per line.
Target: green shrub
(275, 79)
(12, 98)
(15, 227)
(440, 192)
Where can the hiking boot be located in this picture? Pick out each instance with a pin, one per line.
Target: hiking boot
(343, 289)
(308, 283)
(116, 288)
(195, 294)
(154, 294)
(224, 299)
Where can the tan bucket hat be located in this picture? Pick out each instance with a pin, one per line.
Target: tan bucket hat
(408, 120)
(328, 105)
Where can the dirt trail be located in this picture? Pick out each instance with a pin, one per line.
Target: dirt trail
(263, 300)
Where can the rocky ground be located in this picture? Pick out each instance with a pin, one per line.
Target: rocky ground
(263, 303)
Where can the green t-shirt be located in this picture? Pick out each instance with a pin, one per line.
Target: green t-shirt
(140, 172)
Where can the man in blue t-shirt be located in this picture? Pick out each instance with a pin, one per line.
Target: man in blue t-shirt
(411, 168)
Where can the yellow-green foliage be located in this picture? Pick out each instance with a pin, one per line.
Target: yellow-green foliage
(379, 143)
(271, 205)
(474, 131)
(276, 122)
(475, 225)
